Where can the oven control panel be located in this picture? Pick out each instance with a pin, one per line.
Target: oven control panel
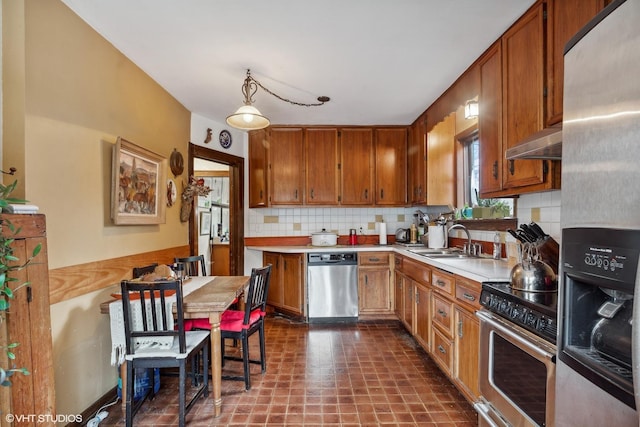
(521, 314)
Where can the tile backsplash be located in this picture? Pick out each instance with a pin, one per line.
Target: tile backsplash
(543, 208)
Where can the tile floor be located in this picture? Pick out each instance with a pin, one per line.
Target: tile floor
(360, 374)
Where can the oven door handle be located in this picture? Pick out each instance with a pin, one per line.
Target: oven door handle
(483, 411)
(498, 324)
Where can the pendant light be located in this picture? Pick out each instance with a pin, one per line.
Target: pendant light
(247, 117)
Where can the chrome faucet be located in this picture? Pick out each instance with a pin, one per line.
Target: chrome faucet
(467, 250)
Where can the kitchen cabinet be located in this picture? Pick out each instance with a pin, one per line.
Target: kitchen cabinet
(441, 163)
(356, 166)
(523, 95)
(422, 314)
(258, 167)
(374, 283)
(286, 160)
(286, 287)
(512, 98)
(391, 166)
(564, 19)
(417, 162)
(466, 337)
(490, 120)
(398, 286)
(28, 323)
(322, 173)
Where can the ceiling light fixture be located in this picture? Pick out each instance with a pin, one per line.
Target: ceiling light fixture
(471, 109)
(247, 117)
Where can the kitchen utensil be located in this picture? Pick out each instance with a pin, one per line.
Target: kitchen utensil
(532, 274)
(324, 238)
(515, 235)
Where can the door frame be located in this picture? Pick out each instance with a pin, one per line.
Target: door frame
(236, 205)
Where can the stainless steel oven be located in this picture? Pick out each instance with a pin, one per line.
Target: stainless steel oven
(517, 358)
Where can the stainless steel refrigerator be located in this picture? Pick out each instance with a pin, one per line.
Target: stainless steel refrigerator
(601, 202)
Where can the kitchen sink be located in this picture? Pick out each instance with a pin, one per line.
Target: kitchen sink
(431, 251)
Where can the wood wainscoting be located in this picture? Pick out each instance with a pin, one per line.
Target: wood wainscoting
(76, 280)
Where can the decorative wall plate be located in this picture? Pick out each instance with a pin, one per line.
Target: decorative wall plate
(225, 138)
(176, 163)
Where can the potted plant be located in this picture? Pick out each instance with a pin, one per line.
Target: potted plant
(8, 264)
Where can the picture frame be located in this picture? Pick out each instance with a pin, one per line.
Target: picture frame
(205, 223)
(139, 176)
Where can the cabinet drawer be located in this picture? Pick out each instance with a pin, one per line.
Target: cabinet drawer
(468, 293)
(442, 350)
(373, 258)
(417, 271)
(442, 281)
(442, 314)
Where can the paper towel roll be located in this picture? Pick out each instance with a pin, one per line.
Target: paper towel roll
(382, 228)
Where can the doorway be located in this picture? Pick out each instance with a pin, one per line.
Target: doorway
(235, 206)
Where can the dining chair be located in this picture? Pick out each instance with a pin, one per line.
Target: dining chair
(154, 339)
(241, 324)
(191, 264)
(141, 271)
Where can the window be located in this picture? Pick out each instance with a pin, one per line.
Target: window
(472, 178)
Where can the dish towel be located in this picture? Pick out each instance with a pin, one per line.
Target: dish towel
(118, 338)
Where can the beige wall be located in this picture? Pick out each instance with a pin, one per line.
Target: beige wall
(68, 100)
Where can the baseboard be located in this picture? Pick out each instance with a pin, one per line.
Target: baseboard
(89, 413)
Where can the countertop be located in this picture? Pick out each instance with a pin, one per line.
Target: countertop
(478, 269)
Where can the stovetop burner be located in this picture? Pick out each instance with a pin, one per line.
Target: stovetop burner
(534, 311)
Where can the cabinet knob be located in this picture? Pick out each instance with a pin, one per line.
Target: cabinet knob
(442, 350)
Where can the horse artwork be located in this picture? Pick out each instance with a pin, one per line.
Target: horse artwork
(137, 174)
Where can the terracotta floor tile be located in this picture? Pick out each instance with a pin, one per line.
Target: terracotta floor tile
(324, 375)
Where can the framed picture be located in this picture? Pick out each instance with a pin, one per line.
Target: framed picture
(139, 194)
(205, 223)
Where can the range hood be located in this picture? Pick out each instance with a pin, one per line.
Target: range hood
(546, 144)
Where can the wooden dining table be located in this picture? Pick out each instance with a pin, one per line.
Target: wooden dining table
(208, 297)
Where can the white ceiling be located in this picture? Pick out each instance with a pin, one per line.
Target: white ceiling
(380, 61)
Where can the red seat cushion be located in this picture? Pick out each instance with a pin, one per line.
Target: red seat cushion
(228, 316)
(233, 321)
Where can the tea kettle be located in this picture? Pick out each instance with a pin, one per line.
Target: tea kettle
(532, 274)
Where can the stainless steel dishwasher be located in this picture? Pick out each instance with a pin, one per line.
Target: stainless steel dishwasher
(332, 286)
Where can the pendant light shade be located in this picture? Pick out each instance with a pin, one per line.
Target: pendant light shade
(247, 117)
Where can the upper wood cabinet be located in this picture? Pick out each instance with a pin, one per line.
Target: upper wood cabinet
(565, 18)
(391, 166)
(441, 163)
(258, 166)
(322, 161)
(286, 174)
(523, 93)
(417, 162)
(356, 166)
(490, 120)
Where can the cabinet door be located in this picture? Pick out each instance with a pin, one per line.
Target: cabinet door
(422, 315)
(373, 290)
(441, 164)
(292, 282)
(258, 164)
(564, 19)
(285, 166)
(523, 94)
(398, 294)
(417, 158)
(275, 295)
(467, 348)
(321, 167)
(391, 166)
(490, 120)
(356, 166)
(407, 305)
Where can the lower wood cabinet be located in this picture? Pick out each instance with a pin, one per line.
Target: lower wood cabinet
(374, 283)
(438, 309)
(286, 289)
